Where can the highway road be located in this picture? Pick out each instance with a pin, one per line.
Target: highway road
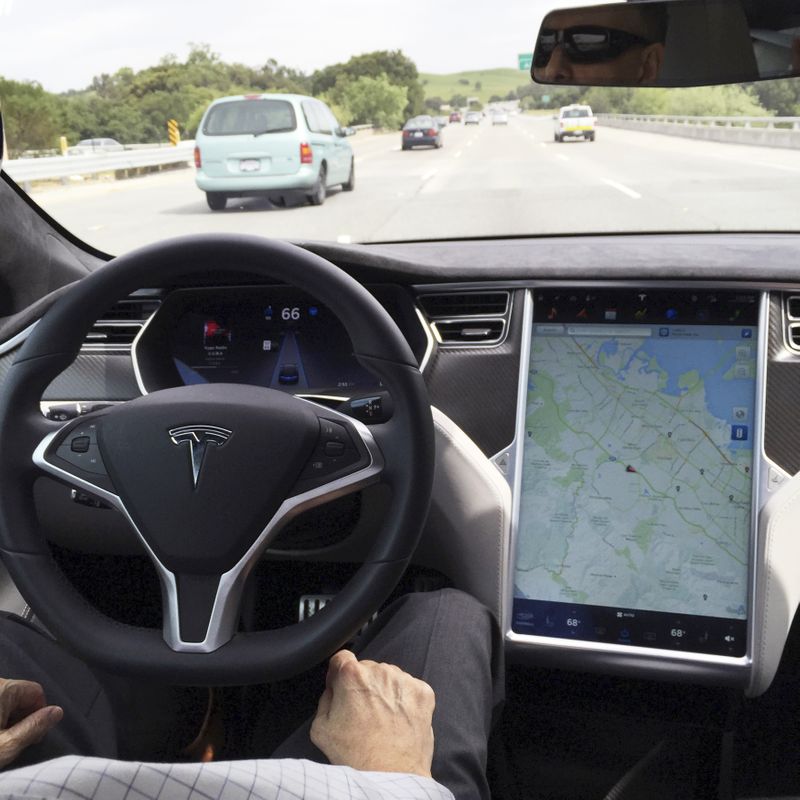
(486, 181)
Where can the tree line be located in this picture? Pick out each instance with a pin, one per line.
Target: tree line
(380, 88)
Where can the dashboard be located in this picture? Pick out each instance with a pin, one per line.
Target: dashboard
(616, 454)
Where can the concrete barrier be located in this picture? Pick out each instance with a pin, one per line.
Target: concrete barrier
(761, 131)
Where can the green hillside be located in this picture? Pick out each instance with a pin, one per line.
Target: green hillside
(492, 81)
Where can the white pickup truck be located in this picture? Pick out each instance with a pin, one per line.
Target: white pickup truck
(574, 120)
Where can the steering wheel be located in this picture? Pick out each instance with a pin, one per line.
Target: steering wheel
(207, 475)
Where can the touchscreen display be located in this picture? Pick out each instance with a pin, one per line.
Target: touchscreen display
(636, 469)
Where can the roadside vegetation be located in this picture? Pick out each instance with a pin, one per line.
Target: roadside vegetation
(756, 99)
(382, 88)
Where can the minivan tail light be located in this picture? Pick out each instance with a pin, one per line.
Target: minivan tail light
(306, 154)
(198, 161)
(431, 132)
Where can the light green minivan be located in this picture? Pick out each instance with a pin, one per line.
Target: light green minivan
(273, 145)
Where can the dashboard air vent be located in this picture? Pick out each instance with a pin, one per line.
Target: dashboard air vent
(120, 325)
(465, 304)
(793, 306)
(470, 331)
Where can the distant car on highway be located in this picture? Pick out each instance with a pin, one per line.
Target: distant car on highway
(455, 116)
(442, 121)
(500, 118)
(271, 145)
(575, 120)
(422, 130)
(473, 118)
(88, 147)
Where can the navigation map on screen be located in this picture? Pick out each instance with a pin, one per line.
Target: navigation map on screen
(637, 470)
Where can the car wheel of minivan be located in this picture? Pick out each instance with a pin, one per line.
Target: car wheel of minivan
(216, 200)
(317, 197)
(351, 180)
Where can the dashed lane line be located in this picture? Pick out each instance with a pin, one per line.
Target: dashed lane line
(620, 187)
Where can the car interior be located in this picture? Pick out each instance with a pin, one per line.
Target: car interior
(595, 435)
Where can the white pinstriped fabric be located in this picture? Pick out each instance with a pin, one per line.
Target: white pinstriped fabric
(83, 778)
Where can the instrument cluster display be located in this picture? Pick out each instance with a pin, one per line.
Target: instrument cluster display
(276, 337)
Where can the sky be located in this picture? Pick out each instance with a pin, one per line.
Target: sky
(63, 45)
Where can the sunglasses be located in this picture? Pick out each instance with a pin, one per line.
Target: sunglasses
(585, 44)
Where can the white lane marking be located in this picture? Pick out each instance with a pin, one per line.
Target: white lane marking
(784, 167)
(542, 144)
(458, 154)
(396, 149)
(620, 187)
(562, 157)
(428, 175)
(95, 228)
(470, 142)
(344, 238)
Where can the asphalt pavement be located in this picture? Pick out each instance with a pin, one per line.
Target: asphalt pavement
(486, 181)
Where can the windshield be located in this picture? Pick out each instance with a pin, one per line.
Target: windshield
(138, 121)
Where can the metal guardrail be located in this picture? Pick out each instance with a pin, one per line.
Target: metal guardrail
(768, 123)
(783, 132)
(24, 170)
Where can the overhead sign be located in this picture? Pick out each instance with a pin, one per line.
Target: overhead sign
(525, 61)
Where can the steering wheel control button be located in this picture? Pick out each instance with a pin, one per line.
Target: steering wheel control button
(334, 432)
(334, 449)
(88, 460)
(79, 444)
(79, 448)
(334, 456)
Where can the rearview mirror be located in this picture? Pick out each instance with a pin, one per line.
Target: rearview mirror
(668, 43)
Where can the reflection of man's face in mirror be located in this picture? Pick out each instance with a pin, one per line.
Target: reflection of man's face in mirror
(614, 45)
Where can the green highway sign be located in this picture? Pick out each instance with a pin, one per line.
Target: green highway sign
(525, 61)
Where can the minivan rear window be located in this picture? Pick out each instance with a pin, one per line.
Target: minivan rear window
(250, 116)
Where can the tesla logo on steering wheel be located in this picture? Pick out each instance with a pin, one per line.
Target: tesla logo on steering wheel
(199, 437)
